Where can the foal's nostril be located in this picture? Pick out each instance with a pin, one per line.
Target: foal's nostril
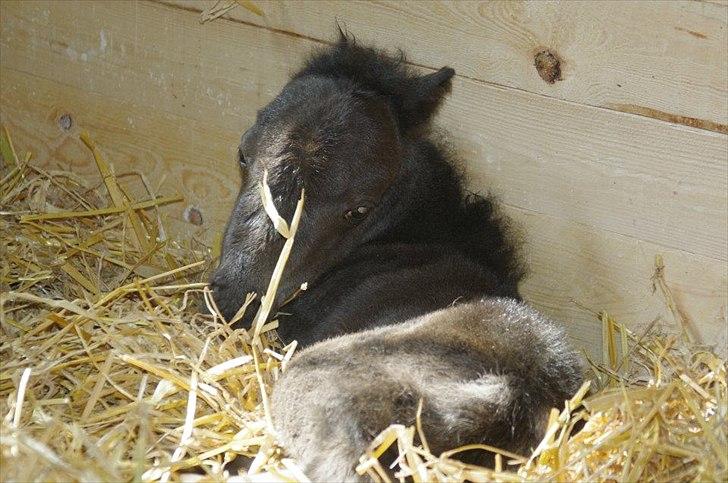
(217, 283)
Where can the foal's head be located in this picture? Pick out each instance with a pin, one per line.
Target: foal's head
(339, 129)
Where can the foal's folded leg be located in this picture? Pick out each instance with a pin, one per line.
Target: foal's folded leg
(327, 415)
(486, 371)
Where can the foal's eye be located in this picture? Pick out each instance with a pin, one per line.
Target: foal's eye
(241, 158)
(356, 216)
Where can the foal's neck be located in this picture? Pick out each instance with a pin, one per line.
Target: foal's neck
(425, 202)
(428, 205)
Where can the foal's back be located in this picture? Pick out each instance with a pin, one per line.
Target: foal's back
(487, 371)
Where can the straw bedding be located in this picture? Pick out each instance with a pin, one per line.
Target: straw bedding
(111, 372)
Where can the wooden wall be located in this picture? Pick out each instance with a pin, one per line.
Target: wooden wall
(623, 158)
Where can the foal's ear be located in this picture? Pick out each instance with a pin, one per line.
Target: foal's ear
(424, 97)
(343, 37)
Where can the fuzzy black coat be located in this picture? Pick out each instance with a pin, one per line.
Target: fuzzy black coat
(412, 282)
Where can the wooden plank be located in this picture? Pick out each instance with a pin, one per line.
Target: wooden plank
(149, 54)
(177, 155)
(658, 182)
(622, 173)
(576, 269)
(667, 60)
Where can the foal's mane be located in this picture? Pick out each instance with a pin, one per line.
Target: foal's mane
(413, 98)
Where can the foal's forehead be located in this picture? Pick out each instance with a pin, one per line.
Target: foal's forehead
(321, 134)
(311, 98)
(311, 122)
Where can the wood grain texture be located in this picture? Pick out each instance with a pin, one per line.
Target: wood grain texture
(175, 154)
(667, 57)
(627, 174)
(598, 193)
(174, 90)
(575, 268)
